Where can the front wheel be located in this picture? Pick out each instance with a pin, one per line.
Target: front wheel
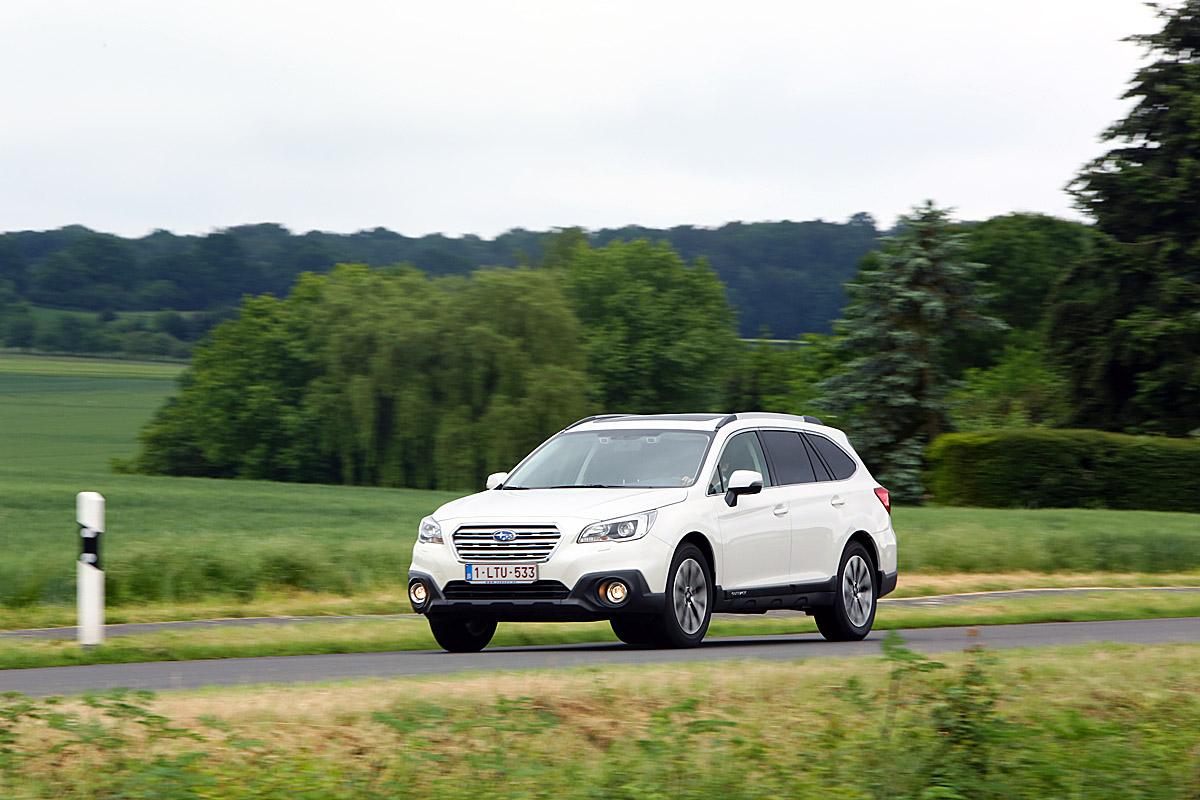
(459, 635)
(688, 610)
(853, 611)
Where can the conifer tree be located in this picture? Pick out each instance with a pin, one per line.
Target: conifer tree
(1126, 324)
(908, 305)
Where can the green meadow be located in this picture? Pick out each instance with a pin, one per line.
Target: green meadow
(186, 547)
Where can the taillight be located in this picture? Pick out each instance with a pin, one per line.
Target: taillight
(884, 498)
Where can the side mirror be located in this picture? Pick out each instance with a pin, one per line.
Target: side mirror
(743, 481)
(496, 480)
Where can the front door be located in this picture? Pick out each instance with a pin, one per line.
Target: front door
(755, 534)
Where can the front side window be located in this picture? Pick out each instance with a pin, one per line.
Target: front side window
(614, 458)
(742, 451)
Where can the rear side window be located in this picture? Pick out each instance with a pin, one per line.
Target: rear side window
(789, 459)
(841, 465)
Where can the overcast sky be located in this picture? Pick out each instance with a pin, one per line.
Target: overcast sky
(478, 117)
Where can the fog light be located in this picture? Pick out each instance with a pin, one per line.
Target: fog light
(616, 592)
(418, 594)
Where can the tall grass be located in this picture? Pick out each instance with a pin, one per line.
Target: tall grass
(1081, 723)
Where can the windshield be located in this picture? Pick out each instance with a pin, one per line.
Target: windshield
(614, 458)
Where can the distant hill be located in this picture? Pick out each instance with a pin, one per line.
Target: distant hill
(784, 277)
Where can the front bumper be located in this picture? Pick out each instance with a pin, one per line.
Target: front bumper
(547, 601)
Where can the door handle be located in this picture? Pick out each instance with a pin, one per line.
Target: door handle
(837, 501)
(780, 510)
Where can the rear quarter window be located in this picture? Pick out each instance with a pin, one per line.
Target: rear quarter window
(840, 464)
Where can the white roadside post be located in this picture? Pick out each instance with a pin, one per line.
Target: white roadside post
(89, 513)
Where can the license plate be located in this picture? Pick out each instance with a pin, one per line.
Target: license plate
(502, 573)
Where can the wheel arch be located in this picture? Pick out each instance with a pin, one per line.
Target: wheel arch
(866, 540)
(701, 541)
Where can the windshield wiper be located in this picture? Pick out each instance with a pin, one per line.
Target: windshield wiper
(512, 488)
(583, 486)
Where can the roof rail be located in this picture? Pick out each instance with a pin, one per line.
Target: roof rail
(725, 421)
(770, 415)
(592, 418)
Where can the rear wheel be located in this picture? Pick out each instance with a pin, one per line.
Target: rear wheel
(635, 629)
(853, 611)
(460, 635)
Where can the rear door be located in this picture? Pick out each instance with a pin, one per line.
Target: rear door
(813, 518)
(755, 534)
(836, 490)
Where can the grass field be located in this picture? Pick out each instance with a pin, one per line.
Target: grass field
(180, 547)
(1101, 722)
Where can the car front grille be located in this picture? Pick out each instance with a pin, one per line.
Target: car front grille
(531, 544)
(540, 590)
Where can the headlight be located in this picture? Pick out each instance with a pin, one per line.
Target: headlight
(619, 530)
(429, 531)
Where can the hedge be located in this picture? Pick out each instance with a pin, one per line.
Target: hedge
(1039, 468)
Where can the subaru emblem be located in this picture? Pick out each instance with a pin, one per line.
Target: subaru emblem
(504, 536)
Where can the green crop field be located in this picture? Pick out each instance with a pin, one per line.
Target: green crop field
(180, 547)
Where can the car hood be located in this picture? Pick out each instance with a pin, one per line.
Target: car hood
(513, 506)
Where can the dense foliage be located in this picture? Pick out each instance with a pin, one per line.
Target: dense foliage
(1065, 468)
(657, 331)
(786, 276)
(1022, 389)
(1127, 321)
(908, 306)
(378, 377)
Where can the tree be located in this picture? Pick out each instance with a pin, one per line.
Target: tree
(659, 334)
(909, 303)
(380, 377)
(1024, 256)
(1126, 323)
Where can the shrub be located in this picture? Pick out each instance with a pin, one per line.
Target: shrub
(1065, 468)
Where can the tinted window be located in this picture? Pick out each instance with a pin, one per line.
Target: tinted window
(789, 459)
(823, 473)
(839, 463)
(741, 452)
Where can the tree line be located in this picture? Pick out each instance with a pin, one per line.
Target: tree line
(762, 265)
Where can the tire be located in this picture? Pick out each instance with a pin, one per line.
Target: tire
(635, 629)
(462, 635)
(689, 601)
(855, 598)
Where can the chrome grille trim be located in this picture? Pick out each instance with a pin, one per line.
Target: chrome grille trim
(533, 545)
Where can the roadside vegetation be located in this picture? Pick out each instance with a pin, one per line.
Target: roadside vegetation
(1084, 722)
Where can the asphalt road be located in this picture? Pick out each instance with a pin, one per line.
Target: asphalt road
(167, 675)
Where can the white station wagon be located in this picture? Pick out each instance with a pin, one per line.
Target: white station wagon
(655, 522)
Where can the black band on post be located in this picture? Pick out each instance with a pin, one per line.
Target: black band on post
(90, 552)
